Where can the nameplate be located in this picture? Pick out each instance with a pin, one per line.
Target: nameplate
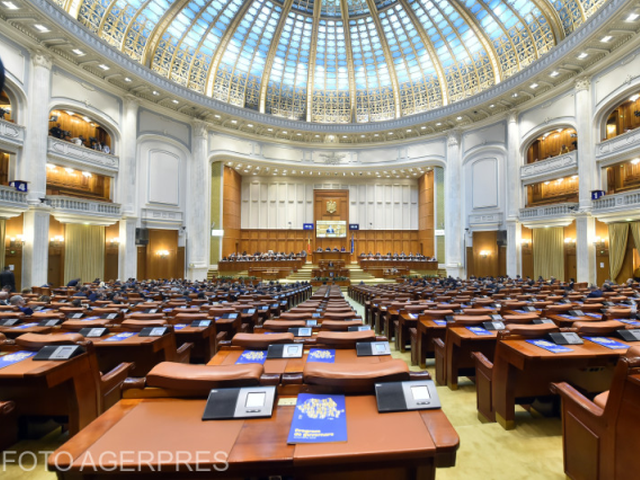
(93, 332)
(359, 328)
(311, 323)
(15, 357)
(316, 315)
(321, 355)
(151, 310)
(249, 311)
(318, 419)
(109, 316)
(449, 318)
(244, 402)
(75, 316)
(153, 331)
(403, 396)
(538, 321)
(369, 349)
(200, 323)
(229, 316)
(576, 313)
(479, 331)
(607, 342)
(412, 316)
(57, 353)
(120, 336)
(530, 309)
(50, 322)
(496, 317)
(252, 356)
(549, 346)
(565, 338)
(9, 322)
(629, 335)
(285, 350)
(301, 331)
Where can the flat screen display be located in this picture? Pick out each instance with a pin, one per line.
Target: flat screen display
(420, 392)
(255, 399)
(331, 229)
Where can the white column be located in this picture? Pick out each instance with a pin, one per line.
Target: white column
(35, 254)
(453, 208)
(128, 252)
(585, 223)
(198, 228)
(33, 167)
(514, 189)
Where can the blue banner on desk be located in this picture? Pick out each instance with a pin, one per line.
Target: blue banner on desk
(440, 323)
(569, 317)
(628, 321)
(121, 336)
(15, 357)
(550, 346)
(252, 356)
(479, 331)
(319, 419)
(26, 325)
(607, 342)
(179, 326)
(594, 315)
(322, 355)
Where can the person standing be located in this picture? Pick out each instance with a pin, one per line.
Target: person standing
(7, 278)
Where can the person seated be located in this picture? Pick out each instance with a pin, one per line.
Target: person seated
(106, 149)
(594, 292)
(335, 249)
(319, 249)
(18, 301)
(73, 283)
(56, 131)
(328, 249)
(343, 249)
(79, 140)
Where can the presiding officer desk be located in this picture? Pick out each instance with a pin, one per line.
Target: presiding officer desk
(166, 438)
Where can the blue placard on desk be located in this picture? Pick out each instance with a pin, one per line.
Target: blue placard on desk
(569, 317)
(319, 419)
(479, 331)
(26, 325)
(607, 342)
(354, 226)
(322, 355)
(441, 323)
(594, 315)
(15, 357)
(627, 321)
(547, 345)
(252, 356)
(179, 326)
(121, 336)
(307, 226)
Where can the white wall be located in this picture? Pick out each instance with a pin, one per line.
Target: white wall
(381, 204)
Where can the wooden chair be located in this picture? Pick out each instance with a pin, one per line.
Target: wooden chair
(600, 437)
(8, 425)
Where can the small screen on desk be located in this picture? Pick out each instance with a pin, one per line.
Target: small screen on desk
(255, 399)
(420, 392)
(380, 348)
(292, 349)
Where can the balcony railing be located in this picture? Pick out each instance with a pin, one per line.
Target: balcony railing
(618, 201)
(565, 164)
(77, 154)
(11, 133)
(81, 206)
(615, 147)
(548, 211)
(9, 196)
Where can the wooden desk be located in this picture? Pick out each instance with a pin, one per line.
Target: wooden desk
(566, 320)
(523, 370)
(459, 343)
(60, 388)
(427, 330)
(145, 437)
(203, 339)
(344, 256)
(145, 352)
(26, 327)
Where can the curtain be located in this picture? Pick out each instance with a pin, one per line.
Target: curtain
(83, 252)
(548, 253)
(618, 235)
(635, 233)
(3, 232)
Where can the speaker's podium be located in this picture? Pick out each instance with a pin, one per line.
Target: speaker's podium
(326, 255)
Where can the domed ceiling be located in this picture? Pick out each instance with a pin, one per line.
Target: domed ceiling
(334, 61)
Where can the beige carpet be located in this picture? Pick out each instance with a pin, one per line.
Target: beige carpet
(532, 451)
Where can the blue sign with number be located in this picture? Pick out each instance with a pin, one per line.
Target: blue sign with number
(307, 226)
(19, 185)
(354, 226)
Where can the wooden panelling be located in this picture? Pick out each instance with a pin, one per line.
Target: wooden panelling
(623, 119)
(111, 253)
(55, 272)
(527, 253)
(426, 208)
(231, 204)
(141, 272)
(553, 144)
(554, 191)
(4, 168)
(13, 251)
(602, 253)
(570, 259)
(67, 181)
(386, 241)
(485, 254)
(622, 177)
(5, 104)
(321, 212)
(287, 241)
(171, 266)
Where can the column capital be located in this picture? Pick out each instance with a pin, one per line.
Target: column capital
(582, 83)
(40, 58)
(512, 116)
(131, 101)
(200, 129)
(453, 138)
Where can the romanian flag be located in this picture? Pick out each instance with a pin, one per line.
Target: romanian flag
(308, 244)
(352, 244)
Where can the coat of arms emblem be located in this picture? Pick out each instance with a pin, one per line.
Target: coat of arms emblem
(332, 206)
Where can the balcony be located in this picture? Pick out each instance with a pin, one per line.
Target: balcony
(12, 202)
(79, 210)
(617, 148)
(555, 215)
(81, 157)
(485, 221)
(617, 207)
(11, 134)
(560, 166)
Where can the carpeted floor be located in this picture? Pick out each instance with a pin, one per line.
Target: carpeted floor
(532, 451)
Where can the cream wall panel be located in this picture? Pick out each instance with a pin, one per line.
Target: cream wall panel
(435, 149)
(492, 134)
(613, 78)
(282, 153)
(13, 59)
(152, 123)
(560, 109)
(484, 175)
(163, 177)
(218, 143)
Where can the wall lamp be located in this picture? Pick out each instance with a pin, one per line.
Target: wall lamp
(56, 241)
(162, 253)
(569, 240)
(114, 241)
(485, 253)
(14, 241)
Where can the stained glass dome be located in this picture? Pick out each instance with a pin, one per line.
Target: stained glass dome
(334, 61)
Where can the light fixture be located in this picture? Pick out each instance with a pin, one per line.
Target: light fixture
(41, 28)
(284, 132)
(78, 52)
(162, 253)
(56, 240)
(249, 125)
(69, 112)
(525, 241)
(104, 67)
(635, 161)
(155, 92)
(234, 121)
(533, 86)
(515, 95)
(87, 174)
(547, 182)
(634, 97)
(438, 124)
(458, 118)
(554, 74)
(51, 166)
(583, 55)
(68, 170)
(127, 79)
(560, 180)
(569, 240)
(574, 177)
(175, 101)
(115, 241)
(606, 39)
(10, 5)
(485, 253)
(633, 17)
(408, 130)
